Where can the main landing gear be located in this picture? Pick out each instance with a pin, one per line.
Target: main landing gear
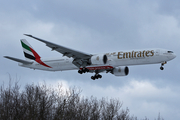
(83, 70)
(96, 76)
(162, 64)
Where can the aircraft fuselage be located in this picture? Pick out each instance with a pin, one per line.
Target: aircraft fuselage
(115, 59)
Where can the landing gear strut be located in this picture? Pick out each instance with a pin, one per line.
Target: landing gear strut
(96, 76)
(83, 70)
(162, 64)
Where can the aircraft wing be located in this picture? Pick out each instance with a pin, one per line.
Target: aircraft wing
(63, 50)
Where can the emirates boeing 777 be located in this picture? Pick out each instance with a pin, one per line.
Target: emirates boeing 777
(114, 62)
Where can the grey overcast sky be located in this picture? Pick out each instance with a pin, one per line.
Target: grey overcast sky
(98, 26)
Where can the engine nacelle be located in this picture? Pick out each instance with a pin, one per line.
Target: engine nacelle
(99, 59)
(120, 71)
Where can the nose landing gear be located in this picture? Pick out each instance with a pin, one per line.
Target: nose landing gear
(162, 64)
(162, 68)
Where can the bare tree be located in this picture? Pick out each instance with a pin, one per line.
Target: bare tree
(159, 117)
(39, 102)
(110, 109)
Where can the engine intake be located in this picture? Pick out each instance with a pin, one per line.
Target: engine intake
(120, 71)
(99, 59)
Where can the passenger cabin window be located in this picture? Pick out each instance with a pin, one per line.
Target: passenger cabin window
(170, 51)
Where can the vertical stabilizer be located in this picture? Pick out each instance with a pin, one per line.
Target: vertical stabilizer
(29, 52)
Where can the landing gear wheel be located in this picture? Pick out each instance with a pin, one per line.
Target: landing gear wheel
(96, 76)
(99, 76)
(162, 64)
(83, 70)
(162, 68)
(80, 71)
(92, 77)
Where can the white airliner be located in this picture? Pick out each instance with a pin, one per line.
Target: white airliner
(115, 62)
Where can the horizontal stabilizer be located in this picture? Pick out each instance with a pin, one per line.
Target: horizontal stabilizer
(18, 60)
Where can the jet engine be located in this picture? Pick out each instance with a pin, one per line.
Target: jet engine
(120, 71)
(99, 59)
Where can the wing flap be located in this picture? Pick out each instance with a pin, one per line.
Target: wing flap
(18, 60)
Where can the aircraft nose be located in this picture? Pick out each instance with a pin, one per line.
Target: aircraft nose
(171, 56)
(174, 55)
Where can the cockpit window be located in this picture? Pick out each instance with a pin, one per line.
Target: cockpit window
(170, 51)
